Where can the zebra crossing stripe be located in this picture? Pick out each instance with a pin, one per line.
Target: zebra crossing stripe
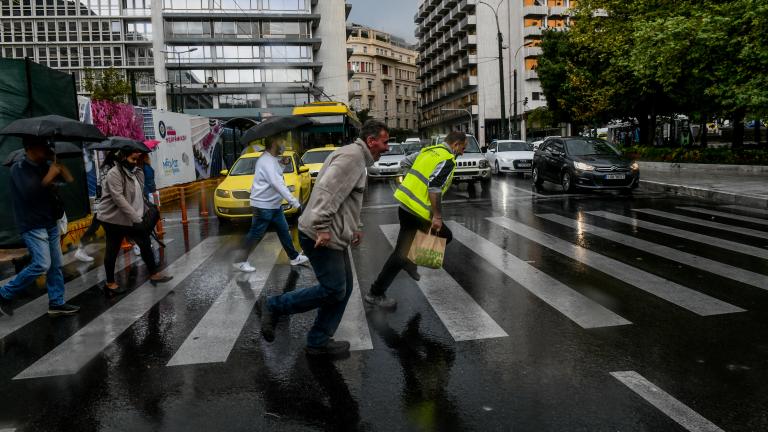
(708, 265)
(747, 209)
(572, 304)
(688, 235)
(664, 402)
(354, 325)
(462, 316)
(215, 335)
(38, 307)
(72, 354)
(67, 259)
(8, 430)
(733, 216)
(679, 295)
(705, 223)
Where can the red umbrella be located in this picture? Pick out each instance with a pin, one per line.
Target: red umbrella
(151, 143)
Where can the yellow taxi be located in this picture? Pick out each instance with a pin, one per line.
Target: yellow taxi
(232, 199)
(315, 158)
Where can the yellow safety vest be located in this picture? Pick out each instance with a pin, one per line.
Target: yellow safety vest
(413, 192)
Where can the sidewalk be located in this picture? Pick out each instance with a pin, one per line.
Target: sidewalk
(728, 184)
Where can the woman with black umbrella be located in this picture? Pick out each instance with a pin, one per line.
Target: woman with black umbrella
(121, 212)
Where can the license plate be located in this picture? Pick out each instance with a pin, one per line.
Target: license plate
(464, 178)
(615, 176)
(244, 203)
(524, 165)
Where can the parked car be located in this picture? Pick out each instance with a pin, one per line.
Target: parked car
(580, 162)
(315, 158)
(509, 156)
(389, 164)
(537, 143)
(232, 199)
(411, 147)
(472, 166)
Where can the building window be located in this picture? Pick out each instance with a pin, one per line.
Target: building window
(365, 50)
(370, 85)
(355, 85)
(535, 96)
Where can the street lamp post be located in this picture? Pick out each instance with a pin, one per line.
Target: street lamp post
(178, 56)
(500, 40)
(514, 78)
(471, 117)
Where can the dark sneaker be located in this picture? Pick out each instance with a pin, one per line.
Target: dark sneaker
(160, 280)
(267, 319)
(64, 309)
(333, 348)
(6, 306)
(380, 301)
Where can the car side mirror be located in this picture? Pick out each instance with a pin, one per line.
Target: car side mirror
(303, 170)
(224, 172)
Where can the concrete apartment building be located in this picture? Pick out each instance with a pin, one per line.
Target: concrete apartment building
(244, 56)
(459, 62)
(384, 77)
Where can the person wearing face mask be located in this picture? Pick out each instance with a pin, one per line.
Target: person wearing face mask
(121, 211)
(267, 193)
(329, 226)
(429, 175)
(37, 207)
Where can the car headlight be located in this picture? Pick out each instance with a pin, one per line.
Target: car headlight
(635, 166)
(483, 164)
(582, 166)
(221, 193)
(292, 188)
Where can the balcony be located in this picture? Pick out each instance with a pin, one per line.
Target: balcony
(472, 59)
(466, 5)
(531, 75)
(531, 31)
(530, 11)
(558, 11)
(531, 51)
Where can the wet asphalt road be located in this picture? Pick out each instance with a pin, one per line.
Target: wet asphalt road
(548, 317)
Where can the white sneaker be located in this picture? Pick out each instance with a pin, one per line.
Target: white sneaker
(244, 267)
(81, 256)
(137, 250)
(299, 260)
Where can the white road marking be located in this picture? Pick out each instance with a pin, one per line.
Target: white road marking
(733, 216)
(705, 264)
(666, 403)
(688, 235)
(679, 295)
(72, 354)
(215, 335)
(354, 325)
(747, 209)
(705, 223)
(580, 309)
(462, 316)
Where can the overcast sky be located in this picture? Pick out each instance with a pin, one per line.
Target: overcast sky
(391, 16)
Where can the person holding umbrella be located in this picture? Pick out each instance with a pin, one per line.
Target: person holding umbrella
(267, 194)
(37, 208)
(121, 211)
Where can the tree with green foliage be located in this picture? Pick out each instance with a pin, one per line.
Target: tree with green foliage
(363, 115)
(108, 85)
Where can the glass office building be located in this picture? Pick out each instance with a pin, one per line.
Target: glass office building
(256, 54)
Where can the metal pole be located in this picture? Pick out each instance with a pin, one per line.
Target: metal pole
(504, 133)
(514, 103)
(181, 88)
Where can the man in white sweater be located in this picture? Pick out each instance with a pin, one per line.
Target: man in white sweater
(267, 194)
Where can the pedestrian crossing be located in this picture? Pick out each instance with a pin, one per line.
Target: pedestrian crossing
(763, 212)
(215, 335)
(733, 216)
(705, 223)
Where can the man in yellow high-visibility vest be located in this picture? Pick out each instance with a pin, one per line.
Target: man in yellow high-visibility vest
(429, 175)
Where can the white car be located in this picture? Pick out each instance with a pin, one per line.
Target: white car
(508, 156)
(536, 144)
(389, 164)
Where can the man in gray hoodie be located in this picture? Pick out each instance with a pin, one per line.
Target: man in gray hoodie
(329, 225)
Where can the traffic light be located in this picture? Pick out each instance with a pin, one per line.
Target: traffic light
(525, 100)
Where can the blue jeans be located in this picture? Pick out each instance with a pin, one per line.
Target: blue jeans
(261, 220)
(334, 272)
(43, 245)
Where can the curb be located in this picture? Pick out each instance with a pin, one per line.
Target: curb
(719, 168)
(708, 194)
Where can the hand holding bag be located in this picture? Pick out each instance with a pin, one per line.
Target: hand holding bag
(427, 250)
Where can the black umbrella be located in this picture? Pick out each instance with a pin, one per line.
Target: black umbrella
(63, 148)
(53, 127)
(274, 126)
(119, 143)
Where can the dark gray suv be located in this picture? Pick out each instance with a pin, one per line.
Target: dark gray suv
(581, 162)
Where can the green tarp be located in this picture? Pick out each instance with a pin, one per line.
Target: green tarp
(28, 89)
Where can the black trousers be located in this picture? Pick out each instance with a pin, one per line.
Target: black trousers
(115, 236)
(409, 224)
(90, 234)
